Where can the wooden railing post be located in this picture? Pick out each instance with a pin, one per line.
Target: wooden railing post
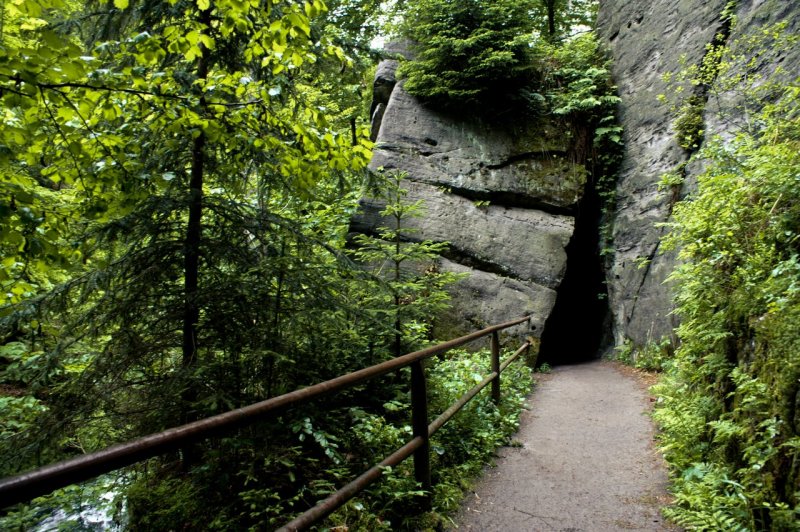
(419, 424)
(496, 367)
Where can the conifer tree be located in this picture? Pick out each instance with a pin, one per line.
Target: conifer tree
(470, 52)
(416, 287)
(190, 192)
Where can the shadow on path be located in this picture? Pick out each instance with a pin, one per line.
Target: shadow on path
(586, 461)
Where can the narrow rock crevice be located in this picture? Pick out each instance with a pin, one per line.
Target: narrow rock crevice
(528, 156)
(463, 258)
(512, 200)
(578, 329)
(647, 264)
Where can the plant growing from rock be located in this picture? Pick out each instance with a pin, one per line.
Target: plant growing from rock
(728, 403)
(469, 53)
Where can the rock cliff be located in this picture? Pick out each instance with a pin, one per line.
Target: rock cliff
(648, 38)
(506, 196)
(502, 195)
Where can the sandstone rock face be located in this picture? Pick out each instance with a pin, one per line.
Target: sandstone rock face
(484, 295)
(382, 88)
(526, 167)
(647, 38)
(505, 195)
(521, 243)
(501, 195)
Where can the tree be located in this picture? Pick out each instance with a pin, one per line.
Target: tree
(202, 198)
(177, 202)
(415, 285)
(559, 19)
(576, 82)
(469, 53)
(487, 54)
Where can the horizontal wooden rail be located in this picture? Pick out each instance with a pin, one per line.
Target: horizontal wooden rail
(337, 499)
(41, 481)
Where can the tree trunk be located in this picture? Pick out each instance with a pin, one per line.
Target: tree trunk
(551, 19)
(275, 340)
(191, 261)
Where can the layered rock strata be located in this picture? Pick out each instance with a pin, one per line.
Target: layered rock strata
(502, 195)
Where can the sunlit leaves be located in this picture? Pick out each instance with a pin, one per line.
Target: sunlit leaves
(80, 116)
(101, 136)
(97, 149)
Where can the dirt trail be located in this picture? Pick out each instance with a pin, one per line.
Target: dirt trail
(586, 460)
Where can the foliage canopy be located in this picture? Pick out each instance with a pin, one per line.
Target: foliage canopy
(468, 53)
(481, 55)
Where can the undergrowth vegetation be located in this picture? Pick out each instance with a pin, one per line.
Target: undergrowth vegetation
(459, 451)
(320, 452)
(650, 357)
(728, 402)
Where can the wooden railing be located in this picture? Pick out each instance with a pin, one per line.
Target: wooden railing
(24, 487)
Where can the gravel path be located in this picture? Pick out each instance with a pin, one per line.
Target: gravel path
(586, 460)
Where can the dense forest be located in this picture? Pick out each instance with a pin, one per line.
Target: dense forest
(178, 181)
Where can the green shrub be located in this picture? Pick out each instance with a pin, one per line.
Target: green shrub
(170, 504)
(690, 123)
(728, 403)
(459, 451)
(652, 356)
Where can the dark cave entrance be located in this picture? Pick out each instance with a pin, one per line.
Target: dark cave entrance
(578, 328)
